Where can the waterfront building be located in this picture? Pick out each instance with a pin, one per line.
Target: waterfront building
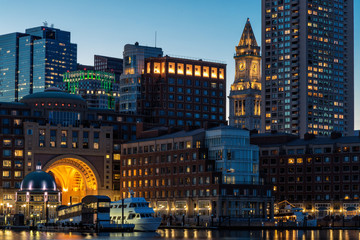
(38, 196)
(308, 66)
(33, 61)
(234, 157)
(99, 89)
(318, 174)
(207, 173)
(130, 81)
(183, 92)
(245, 92)
(78, 144)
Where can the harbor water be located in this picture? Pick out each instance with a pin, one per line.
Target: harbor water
(190, 234)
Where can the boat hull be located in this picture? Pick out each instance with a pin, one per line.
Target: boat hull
(147, 224)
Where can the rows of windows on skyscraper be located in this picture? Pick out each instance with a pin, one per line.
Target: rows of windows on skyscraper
(33, 61)
(307, 50)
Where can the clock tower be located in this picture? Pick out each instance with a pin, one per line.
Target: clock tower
(245, 92)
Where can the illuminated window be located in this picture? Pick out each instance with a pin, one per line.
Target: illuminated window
(214, 72)
(116, 156)
(18, 174)
(64, 138)
(6, 174)
(188, 144)
(205, 71)
(171, 67)
(291, 160)
(7, 142)
(6, 163)
(299, 160)
(180, 68)
(18, 153)
(17, 122)
(188, 69)
(221, 73)
(148, 68)
(96, 145)
(156, 67)
(197, 70)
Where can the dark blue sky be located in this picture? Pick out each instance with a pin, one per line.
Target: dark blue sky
(207, 29)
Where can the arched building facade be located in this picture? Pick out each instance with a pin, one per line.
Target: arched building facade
(79, 146)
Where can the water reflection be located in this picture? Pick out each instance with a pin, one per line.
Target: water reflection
(191, 234)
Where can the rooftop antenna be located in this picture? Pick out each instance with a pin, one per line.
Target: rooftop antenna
(45, 23)
(155, 38)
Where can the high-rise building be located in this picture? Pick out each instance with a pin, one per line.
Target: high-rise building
(96, 87)
(245, 92)
(308, 66)
(34, 60)
(109, 64)
(84, 67)
(183, 92)
(130, 80)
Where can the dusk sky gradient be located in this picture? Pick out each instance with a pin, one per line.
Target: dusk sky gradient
(206, 29)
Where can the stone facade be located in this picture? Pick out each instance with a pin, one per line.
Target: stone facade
(245, 93)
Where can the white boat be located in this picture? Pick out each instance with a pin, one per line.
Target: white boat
(136, 211)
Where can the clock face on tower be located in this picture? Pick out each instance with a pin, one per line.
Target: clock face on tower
(242, 66)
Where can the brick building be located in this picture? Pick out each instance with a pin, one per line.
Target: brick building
(183, 92)
(179, 173)
(320, 175)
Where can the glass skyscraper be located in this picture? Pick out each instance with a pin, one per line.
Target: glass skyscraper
(308, 66)
(130, 80)
(34, 60)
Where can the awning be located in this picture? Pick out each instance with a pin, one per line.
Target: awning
(351, 209)
(323, 209)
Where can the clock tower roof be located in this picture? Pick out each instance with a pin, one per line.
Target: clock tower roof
(248, 44)
(248, 38)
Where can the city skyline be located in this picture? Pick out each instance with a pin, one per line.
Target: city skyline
(215, 28)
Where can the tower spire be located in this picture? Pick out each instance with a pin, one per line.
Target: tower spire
(248, 38)
(247, 44)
